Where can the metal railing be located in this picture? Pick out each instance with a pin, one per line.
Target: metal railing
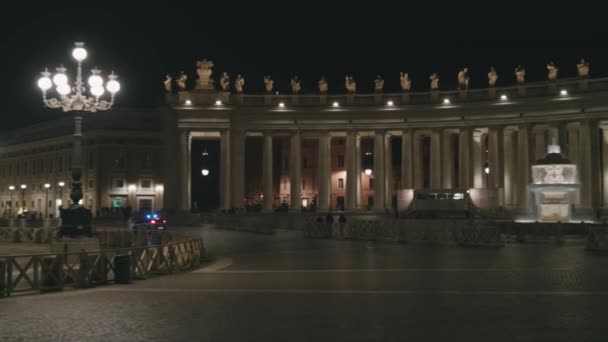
(54, 271)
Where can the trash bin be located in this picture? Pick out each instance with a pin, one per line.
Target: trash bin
(122, 269)
(52, 274)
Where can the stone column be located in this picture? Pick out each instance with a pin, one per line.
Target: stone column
(324, 175)
(477, 165)
(508, 162)
(540, 144)
(351, 171)
(435, 166)
(417, 162)
(358, 170)
(225, 170)
(585, 168)
(523, 170)
(604, 170)
(464, 164)
(267, 173)
(237, 170)
(407, 181)
(379, 179)
(388, 172)
(573, 144)
(295, 171)
(496, 158)
(447, 160)
(184, 162)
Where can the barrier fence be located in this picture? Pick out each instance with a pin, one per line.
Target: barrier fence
(54, 271)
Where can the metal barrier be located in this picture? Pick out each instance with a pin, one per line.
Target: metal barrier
(47, 272)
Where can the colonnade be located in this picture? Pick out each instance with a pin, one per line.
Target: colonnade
(458, 158)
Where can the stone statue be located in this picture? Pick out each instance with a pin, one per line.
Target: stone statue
(323, 86)
(351, 85)
(520, 74)
(378, 84)
(434, 81)
(167, 83)
(551, 71)
(492, 77)
(203, 69)
(296, 85)
(406, 83)
(239, 82)
(463, 79)
(583, 68)
(225, 81)
(269, 84)
(181, 81)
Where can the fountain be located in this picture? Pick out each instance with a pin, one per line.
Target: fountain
(554, 183)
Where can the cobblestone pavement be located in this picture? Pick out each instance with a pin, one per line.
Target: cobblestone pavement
(285, 288)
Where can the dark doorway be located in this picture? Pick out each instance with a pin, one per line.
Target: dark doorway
(340, 203)
(205, 189)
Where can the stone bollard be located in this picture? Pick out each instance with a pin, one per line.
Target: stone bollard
(52, 274)
(82, 275)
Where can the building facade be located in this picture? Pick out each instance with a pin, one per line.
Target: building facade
(329, 152)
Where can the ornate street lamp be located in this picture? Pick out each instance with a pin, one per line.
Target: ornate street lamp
(72, 98)
(46, 201)
(11, 189)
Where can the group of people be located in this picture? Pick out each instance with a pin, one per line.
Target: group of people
(351, 86)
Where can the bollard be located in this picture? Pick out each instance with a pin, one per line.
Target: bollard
(52, 274)
(122, 269)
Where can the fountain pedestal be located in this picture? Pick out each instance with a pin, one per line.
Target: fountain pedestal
(554, 182)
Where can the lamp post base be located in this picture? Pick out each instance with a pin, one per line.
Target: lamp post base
(76, 223)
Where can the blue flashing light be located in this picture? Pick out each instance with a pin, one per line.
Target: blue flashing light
(147, 216)
(155, 216)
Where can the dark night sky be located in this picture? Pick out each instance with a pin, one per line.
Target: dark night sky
(305, 38)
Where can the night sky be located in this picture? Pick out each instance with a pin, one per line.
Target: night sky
(309, 39)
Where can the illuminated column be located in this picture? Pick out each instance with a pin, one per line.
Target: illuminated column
(267, 173)
(584, 169)
(407, 169)
(225, 170)
(237, 169)
(295, 171)
(523, 170)
(388, 171)
(324, 168)
(477, 162)
(464, 179)
(417, 161)
(604, 171)
(352, 174)
(379, 179)
(540, 144)
(496, 159)
(447, 160)
(508, 160)
(184, 153)
(435, 160)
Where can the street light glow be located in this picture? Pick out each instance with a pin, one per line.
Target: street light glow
(563, 92)
(47, 185)
(335, 104)
(79, 53)
(446, 101)
(61, 184)
(368, 172)
(390, 103)
(205, 172)
(11, 187)
(281, 105)
(23, 186)
(503, 97)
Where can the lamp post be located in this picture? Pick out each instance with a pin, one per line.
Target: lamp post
(23, 187)
(11, 189)
(46, 200)
(72, 98)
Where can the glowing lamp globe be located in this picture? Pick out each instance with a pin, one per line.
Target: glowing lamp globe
(95, 81)
(113, 86)
(79, 53)
(63, 89)
(60, 79)
(205, 172)
(45, 83)
(368, 172)
(97, 91)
